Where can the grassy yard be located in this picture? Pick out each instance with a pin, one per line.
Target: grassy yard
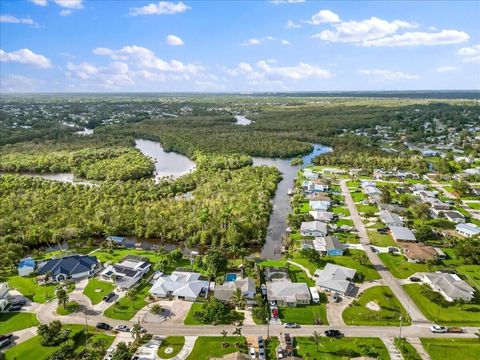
(358, 196)
(189, 319)
(390, 309)
(96, 289)
(341, 210)
(400, 267)
(207, 347)
(33, 350)
(125, 309)
(440, 349)
(407, 349)
(367, 208)
(380, 239)
(366, 269)
(174, 342)
(475, 205)
(304, 314)
(14, 321)
(339, 349)
(347, 237)
(341, 222)
(298, 275)
(70, 308)
(29, 288)
(461, 315)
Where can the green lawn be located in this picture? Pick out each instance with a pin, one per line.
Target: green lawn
(380, 239)
(367, 208)
(390, 309)
(174, 342)
(304, 314)
(407, 349)
(340, 349)
(33, 350)
(271, 348)
(400, 267)
(29, 288)
(304, 207)
(366, 269)
(96, 289)
(14, 321)
(298, 275)
(341, 222)
(71, 307)
(207, 347)
(440, 349)
(358, 196)
(473, 205)
(190, 319)
(125, 309)
(347, 237)
(461, 315)
(341, 210)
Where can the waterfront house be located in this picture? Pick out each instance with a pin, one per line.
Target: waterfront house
(313, 228)
(286, 293)
(127, 273)
(26, 266)
(180, 285)
(68, 267)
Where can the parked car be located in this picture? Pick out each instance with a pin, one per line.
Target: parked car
(109, 296)
(103, 326)
(415, 279)
(333, 333)
(336, 298)
(17, 302)
(374, 249)
(122, 328)
(455, 330)
(261, 343)
(252, 353)
(438, 329)
(261, 354)
(15, 308)
(288, 339)
(5, 340)
(291, 325)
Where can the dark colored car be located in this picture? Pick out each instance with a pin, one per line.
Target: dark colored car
(108, 297)
(261, 343)
(15, 308)
(5, 340)
(415, 279)
(333, 333)
(18, 302)
(103, 326)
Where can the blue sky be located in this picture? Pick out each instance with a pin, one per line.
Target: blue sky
(284, 45)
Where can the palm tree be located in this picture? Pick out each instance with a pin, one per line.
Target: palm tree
(224, 334)
(132, 295)
(238, 332)
(62, 297)
(238, 299)
(156, 309)
(316, 339)
(136, 331)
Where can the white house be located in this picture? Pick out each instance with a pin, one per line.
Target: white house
(181, 285)
(127, 273)
(325, 216)
(309, 174)
(287, 293)
(335, 278)
(450, 286)
(467, 230)
(319, 205)
(400, 233)
(225, 292)
(390, 219)
(314, 228)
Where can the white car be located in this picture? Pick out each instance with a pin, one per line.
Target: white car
(252, 353)
(122, 328)
(438, 329)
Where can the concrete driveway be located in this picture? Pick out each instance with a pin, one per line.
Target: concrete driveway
(174, 312)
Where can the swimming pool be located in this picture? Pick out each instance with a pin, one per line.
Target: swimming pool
(230, 277)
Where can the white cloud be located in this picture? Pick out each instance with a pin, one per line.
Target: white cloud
(26, 57)
(253, 41)
(14, 20)
(324, 16)
(470, 54)
(69, 4)
(18, 83)
(301, 71)
(65, 12)
(145, 58)
(291, 25)
(83, 71)
(360, 31)
(444, 69)
(160, 8)
(39, 2)
(285, 42)
(173, 40)
(259, 41)
(443, 37)
(382, 75)
(276, 2)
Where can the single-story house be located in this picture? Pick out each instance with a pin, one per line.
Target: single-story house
(319, 205)
(425, 195)
(313, 228)
(390, 219)
(328, 245)
(26, 266)
(467, 230)
(450, 286)
(287, 293)
(335, 278)
(371, 190)
(324, 216)
(181, 285)
(438, 204)
(69, 267)
(415, 252)
(127, 273)
(311, 187)
(440, 253)
(400, 233)
(309, 174)
(451, 215)
(367, 183)
(225, 292)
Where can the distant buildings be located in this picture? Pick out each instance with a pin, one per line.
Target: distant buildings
(467, 230)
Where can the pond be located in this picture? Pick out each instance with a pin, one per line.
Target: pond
(167, 164)
(242, 120)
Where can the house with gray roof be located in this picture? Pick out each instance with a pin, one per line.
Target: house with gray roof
(390, 218)
(467, 230)
(400, 233)
(287, 293)
(127, 273)
(313, 228)
(335, 278)
(450, 286)
(224, 292)
(180, 285)
(68, 267)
